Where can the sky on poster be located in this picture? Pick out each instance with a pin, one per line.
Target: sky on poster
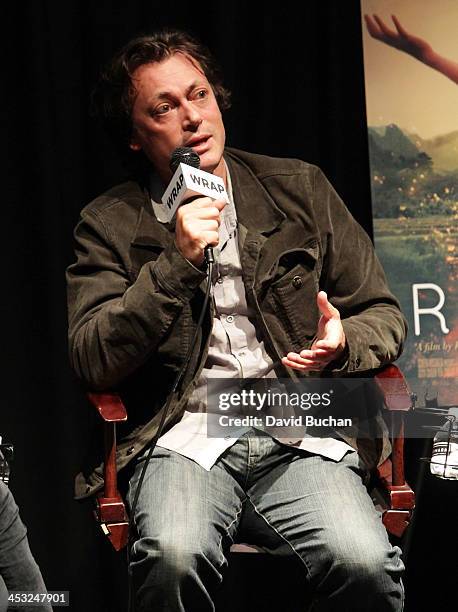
(399, 88)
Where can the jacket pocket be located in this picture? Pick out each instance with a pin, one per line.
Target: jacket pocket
(291, 296)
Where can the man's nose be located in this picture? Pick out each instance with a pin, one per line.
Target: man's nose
(191, 117)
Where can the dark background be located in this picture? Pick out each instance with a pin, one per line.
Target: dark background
(297, 78)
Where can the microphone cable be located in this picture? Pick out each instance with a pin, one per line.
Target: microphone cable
(179, 378)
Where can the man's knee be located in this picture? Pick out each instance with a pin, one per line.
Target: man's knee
(169, 570)
(178, 557)
(373, 571)
(371, 568)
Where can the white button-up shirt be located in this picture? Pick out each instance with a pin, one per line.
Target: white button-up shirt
(235, 351)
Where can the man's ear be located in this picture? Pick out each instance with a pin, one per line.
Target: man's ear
(134, 145)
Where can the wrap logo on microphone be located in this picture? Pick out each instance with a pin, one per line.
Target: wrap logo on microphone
(188, 182)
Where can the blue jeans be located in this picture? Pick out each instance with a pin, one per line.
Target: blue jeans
(18, 569)
(280, 498)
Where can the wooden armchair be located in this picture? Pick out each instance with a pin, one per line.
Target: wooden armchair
(394, 497)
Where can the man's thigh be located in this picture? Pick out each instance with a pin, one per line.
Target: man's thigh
(183, 508)
(322, 511)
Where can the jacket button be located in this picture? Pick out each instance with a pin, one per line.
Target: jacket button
(297, 282)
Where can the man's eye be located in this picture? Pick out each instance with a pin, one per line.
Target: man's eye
(201, 94)
(162, 109)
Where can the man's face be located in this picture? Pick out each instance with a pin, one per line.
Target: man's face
(175, 107)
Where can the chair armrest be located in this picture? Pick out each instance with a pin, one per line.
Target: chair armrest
(394, 496)
(110, 508)
(109, 406)
(394, 388)
(397, 400)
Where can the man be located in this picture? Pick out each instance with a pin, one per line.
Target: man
(286, 247)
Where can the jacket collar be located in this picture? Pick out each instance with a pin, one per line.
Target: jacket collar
(255, 208)
(148, 231)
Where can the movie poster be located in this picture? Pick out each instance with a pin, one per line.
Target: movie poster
(411, 74)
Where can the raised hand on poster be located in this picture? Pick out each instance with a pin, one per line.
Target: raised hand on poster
(399, 38)
(412, 45)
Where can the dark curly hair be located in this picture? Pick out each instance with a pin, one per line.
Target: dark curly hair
(114, 94)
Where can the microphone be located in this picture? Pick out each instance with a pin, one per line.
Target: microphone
(188, 181)
(184, 155)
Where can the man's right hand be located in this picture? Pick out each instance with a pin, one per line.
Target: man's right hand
(196, 227)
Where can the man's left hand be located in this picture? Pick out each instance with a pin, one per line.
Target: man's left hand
(329, 343)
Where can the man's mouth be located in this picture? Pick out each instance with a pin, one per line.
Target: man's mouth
(198, 142)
